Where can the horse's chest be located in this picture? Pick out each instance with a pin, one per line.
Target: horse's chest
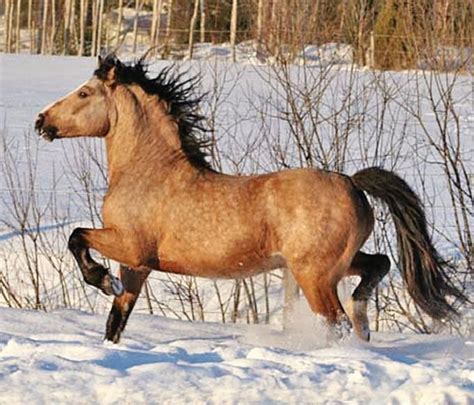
(125, 209)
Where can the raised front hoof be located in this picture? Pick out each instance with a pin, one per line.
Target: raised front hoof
(111, 285)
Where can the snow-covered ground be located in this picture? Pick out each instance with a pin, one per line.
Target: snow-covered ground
(60, 358)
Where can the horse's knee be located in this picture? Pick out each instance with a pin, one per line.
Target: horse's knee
(76, 240)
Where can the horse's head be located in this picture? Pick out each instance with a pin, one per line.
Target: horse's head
(85, 111)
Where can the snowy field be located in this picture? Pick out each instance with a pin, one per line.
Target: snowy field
(59, 357)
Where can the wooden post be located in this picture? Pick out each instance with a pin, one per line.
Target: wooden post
(192, 25)
(233, 28)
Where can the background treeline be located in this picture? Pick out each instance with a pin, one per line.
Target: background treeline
(386, 34)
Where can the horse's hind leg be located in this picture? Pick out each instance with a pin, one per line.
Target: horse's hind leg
(371, 269)
(321, 293)
(122, 306)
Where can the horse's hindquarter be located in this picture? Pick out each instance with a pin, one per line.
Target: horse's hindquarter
(317, 215)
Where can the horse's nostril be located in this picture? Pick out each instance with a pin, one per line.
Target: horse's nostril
(39, 121)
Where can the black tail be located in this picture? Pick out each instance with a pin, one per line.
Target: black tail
(424, 271)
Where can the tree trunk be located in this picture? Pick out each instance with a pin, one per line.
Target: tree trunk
(119, 23)
(135, 26)
(30, 26)
(10, 25)
(7, 25)
(203, 22)
(154, 19)
(94, 27)
(67, 20)
(38, 26)
(17, 30)
(158, 23)
(73, 26)
(82, 22)
(233, 28)
(192, 25)
(53, 26)
(44, 26)
(168, 27)
(99, 26)
(259, 20)
(259, 28)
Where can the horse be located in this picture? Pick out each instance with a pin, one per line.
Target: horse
(167, 209)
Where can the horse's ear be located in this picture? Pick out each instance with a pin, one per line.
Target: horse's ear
(111, 77)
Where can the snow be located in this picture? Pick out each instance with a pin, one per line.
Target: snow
(60, 357)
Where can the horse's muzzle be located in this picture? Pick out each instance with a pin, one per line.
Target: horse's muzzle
(47, 132)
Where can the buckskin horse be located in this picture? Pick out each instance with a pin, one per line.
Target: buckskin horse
(166, 208)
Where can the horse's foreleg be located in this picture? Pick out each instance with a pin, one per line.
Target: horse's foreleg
(122, 306)
(371, 269)
(110, 244)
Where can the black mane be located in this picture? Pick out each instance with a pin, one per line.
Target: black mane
(179, 95)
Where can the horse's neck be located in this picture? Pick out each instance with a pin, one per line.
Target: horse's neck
(151, 140)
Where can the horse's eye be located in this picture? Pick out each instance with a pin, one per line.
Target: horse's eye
(83, 94)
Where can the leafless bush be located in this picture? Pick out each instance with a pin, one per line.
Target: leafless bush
(344, 120)
(331, 117)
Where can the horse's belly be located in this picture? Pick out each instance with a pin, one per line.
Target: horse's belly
(230, 268)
